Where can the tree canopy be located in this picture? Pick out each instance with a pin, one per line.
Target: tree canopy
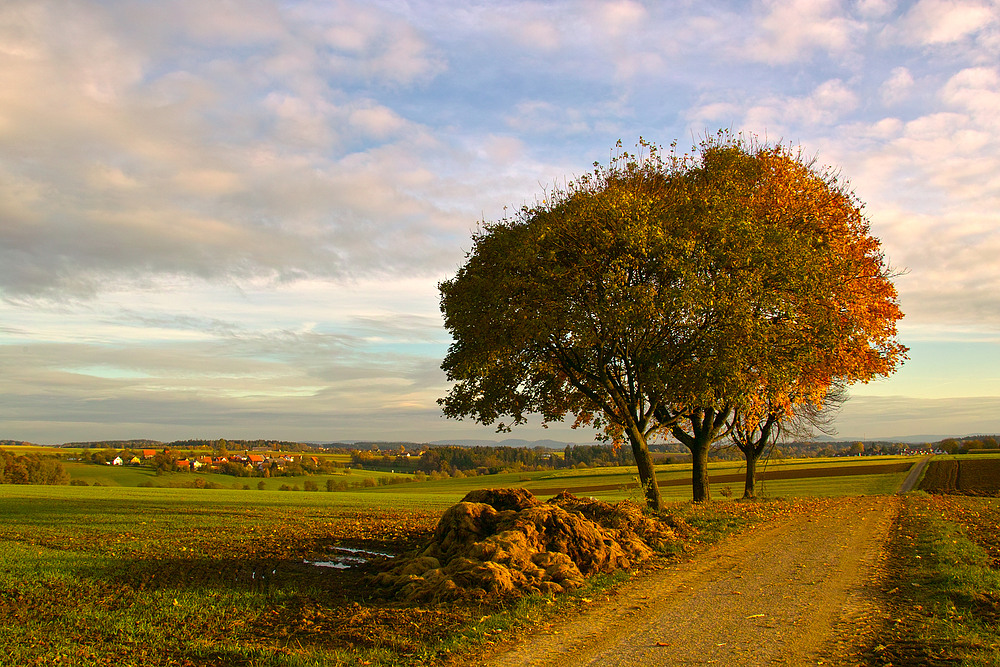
(662, 292)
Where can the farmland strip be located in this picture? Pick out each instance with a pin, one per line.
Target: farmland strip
(839, 471)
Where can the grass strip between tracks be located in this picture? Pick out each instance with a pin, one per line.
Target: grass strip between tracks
(944, 584)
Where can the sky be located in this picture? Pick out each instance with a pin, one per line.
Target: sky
(229, 218)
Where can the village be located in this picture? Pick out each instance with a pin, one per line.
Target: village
(249, 464)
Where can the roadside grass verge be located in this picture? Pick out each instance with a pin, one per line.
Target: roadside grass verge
(943, 586)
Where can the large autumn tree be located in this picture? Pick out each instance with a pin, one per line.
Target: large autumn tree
(811, 305)
(658, 295)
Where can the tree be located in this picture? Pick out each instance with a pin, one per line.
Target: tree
(807, 296)
(660, 294)
(573, 307)
(755, 432)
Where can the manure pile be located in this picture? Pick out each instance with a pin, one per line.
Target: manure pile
(502, 542)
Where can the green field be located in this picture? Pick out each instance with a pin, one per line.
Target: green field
(612, 483)
(106, 475)
(122, 575)
(624, 480)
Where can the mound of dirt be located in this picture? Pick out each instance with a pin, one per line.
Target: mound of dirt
(503, 542)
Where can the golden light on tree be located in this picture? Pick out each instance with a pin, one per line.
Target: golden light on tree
(665, 293)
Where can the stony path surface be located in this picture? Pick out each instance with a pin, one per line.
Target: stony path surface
(785, 594)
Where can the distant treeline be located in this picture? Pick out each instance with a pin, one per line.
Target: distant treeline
(969, 443)
(114, 444)
(16, 443)
(487, 460)
(31, 469)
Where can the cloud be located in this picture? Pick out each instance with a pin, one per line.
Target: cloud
(875, 8)
(124, 159)
(236, 213)
(368, 352)
(826, 104)
(889, 416)
(897, 87)
(976, 90)
(937, 22)
(788, 32)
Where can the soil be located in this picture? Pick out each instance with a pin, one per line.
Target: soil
(802, 592)
(966, 476)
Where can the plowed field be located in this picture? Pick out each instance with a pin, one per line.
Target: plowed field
(969, 476)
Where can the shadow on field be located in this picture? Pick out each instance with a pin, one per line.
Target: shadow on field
(292, 574)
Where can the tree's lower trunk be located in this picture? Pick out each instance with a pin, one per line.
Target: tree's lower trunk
(647, 475)
(707, 426)
(749, 486)
(700, 490)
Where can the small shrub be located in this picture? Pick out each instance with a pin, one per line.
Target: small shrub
(80, 482)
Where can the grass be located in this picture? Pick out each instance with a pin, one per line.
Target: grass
(944, 583)
(825, 487)
(160, 576)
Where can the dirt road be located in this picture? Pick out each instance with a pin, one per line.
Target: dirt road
(786, 594)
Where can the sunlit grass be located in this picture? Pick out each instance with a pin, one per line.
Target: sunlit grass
(944, 584)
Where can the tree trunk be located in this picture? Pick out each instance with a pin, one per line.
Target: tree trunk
(707, 426)
(700, 490)
(647, 475)
(753, 449)
(750, 484)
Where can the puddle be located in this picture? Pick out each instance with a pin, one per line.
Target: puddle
(343, 558)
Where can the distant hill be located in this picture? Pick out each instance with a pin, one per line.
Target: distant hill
(910, 439)
(509, 442)
(137, 443)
